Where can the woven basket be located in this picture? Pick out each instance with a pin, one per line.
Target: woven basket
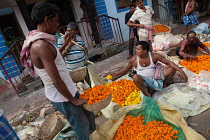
(50, 127)
(98, 106)
(78, 74)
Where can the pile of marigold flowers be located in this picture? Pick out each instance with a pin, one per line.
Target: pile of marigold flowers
(124, 92)
(201, 63)
(122, 89)
(161, 28)
(96, 94)
(207, 45)
(133, 128)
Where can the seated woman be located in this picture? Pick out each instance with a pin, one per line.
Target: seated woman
(144, 63)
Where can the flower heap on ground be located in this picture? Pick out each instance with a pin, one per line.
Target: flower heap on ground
(124, 92)
(201, 63)
(161, 28)
(133, 128)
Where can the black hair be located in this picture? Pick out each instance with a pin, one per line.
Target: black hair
(139, 0)
(73, 26)
(132, 5)
(41, 10)
(133, 1)
(144, 45)
(190, 32)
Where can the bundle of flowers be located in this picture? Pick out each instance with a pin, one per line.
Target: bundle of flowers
(161, 28)
(133, 128)
(124, 92)
(201, 63)
(96, 94)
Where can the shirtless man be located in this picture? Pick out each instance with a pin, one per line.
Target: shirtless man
(144, 63)
(190, 16)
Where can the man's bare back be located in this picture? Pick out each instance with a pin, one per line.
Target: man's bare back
(191, 7)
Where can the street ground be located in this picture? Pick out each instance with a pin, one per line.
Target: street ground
(14, 106)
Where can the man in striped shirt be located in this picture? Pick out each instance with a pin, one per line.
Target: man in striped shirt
(75, 56)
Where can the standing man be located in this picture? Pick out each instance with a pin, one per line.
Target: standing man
(132, 30)
(75, 55)
(190, 16)
(145, 15)
(42, 58)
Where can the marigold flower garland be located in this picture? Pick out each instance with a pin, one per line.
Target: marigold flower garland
(133, 128)
(161, 28)
(201, 63)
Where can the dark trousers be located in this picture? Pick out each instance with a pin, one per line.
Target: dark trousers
(83, 121)
(131, 41)
(189, 50)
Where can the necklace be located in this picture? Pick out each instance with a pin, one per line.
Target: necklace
(144, 60)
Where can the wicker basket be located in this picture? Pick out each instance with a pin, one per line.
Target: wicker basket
(50, 127)
(98, 106)
(78, 74)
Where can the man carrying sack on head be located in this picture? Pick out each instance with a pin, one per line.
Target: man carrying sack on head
(73, 49)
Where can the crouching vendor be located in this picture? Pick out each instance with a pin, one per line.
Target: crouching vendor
(189, 46)
(144, 63)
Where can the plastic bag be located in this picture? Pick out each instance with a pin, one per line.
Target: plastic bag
(110, 110)
(202, 28)
(151, 111)
(160, 46)
(200, 81)
(202, 37)
(168, 37)
(94, 78)
(184, 99)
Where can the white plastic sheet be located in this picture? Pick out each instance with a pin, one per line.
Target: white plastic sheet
(183, 98)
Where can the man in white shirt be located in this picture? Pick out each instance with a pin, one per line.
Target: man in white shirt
(145, 15)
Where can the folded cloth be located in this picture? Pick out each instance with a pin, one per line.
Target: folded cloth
(6, 131)
(25, 53)
(151, 32)
(131, 36)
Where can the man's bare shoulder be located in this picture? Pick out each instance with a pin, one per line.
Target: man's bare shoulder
(40, 45)
(133, 60)
(155, 56)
